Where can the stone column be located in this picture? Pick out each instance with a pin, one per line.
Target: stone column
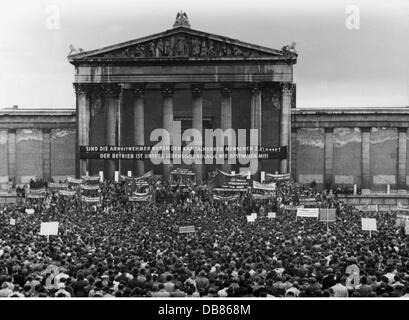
(139, 125)
(293, 153)
(256, 114)
(12, 156)
(4, 166)
(83, 119)
(329, 155)
(226, 118)
(111, 97)
(256, 110)
(286, 95)
(167, 117)
(197, 123)
(365, 168)
(46, 154)
(402, 158)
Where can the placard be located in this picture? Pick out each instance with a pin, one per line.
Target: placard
(49, 228)
(30, 211)
(406, 227)
(187, 229)
(308, 212)
(271, 215)
(368, 224)
(12, 222)
(101, 176)
(250, 218)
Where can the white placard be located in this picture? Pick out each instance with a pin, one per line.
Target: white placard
(308, 212)
(30, 211)
(12, 222)
(129, 173)
(101, 176)
(271, 215)
(116, 176)
(262, 176)
(187, 229)
(368, 224)
(49, 228)
(250, 218)
(254, 215)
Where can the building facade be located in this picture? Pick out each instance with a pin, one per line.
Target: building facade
(340, 147)
(200, 80)
(36, 144)
(363, 146)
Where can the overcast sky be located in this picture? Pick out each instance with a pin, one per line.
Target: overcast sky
(337, 66)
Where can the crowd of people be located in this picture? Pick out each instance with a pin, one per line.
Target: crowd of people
(119, 248)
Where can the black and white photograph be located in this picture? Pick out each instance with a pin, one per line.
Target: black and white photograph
(204, 151)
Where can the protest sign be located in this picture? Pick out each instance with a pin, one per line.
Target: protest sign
(271, 215)
(368, 224)
(250, 218)
(30, 211)
(49, 228)
(187, 229)
(12, 222)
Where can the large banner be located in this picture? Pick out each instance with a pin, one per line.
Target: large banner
(91, 178)
(74, 181)
(182, 177)
(139, 197)
(91, 199)
(141, 152)
(284, 176)
(54, 185)
(265, 187)
(308, 212)
(90, 187)
(225, 198)
(67, 193)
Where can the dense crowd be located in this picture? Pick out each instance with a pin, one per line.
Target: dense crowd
(119, 248)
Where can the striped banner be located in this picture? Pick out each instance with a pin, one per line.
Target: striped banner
(284, 176)
(75, 181)
(89, 178)
(89, 187)
(139, 198)
(91, 199)
(266, 187)
(68, 193)
(225, 198)
(54, 185)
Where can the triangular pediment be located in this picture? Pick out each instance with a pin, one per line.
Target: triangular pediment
(182, 43)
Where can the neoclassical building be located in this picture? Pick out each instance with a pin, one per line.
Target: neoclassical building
(200, 80)
(195, 79)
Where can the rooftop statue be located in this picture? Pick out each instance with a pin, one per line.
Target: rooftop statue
(181, 20)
